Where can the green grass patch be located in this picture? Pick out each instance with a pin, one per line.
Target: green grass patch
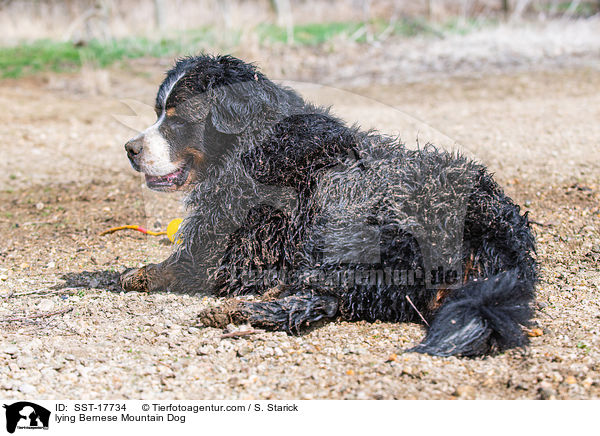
(583, 9)
(361, 31)
(461, 26)
(583, 346)
(306, 34)
(46, 55)
(319, 33)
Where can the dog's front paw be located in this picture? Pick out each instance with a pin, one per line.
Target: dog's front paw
(134, 279)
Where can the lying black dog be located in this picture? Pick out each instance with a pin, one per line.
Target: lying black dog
(318, 220)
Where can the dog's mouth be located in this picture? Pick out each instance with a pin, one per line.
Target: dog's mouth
(169, 182)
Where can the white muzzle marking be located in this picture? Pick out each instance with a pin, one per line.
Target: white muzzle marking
(155, 159)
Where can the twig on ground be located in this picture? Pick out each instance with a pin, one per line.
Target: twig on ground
(240, 333)
(39, 315)
(37, 223)
(46, 291)
(166, 365)
(541, 224)
(417, 310)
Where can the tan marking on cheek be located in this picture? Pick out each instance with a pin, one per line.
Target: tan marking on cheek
(197, 156)
(170, 112)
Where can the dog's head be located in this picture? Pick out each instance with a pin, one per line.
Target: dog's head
(202, 107)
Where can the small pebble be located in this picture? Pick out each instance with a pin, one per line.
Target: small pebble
(205, 350)
(46, 305)
(9, 349)
(464, 391)
(26, 388)
(244, 351)
(570, 380)
(534, 333)
(546, 391)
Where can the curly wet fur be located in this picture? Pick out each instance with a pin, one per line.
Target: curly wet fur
(299, 209)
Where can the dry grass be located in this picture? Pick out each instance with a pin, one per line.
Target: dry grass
(25, 20)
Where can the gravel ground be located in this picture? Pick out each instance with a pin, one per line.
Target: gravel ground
(68, 332)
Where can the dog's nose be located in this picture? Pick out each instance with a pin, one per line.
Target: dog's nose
(134, 147)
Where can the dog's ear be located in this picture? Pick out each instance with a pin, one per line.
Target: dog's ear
(236, 105)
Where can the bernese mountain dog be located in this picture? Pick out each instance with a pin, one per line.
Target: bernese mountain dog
(296, 218)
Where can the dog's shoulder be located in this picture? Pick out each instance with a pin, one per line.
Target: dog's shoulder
(298, 145)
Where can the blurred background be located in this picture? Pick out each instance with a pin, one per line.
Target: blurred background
(332, 38)
(355, 41)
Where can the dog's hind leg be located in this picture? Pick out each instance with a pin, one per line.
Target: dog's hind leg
(488, 313)
(289, 313)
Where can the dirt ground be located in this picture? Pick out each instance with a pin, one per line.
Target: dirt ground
(68, 332)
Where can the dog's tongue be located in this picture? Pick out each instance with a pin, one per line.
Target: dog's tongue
(169, 178)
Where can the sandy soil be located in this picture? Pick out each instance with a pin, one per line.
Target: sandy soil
(68, 332)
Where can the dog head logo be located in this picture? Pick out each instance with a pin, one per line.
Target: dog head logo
(26, 415)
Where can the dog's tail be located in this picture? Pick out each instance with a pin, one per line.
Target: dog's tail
(484, 316)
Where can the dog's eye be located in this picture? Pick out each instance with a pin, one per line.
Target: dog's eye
(176, 123)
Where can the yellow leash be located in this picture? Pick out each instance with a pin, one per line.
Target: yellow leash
(172, 229)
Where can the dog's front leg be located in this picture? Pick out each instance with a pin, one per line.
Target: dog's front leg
(179, 273)
(184, 272)
(191, 268)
